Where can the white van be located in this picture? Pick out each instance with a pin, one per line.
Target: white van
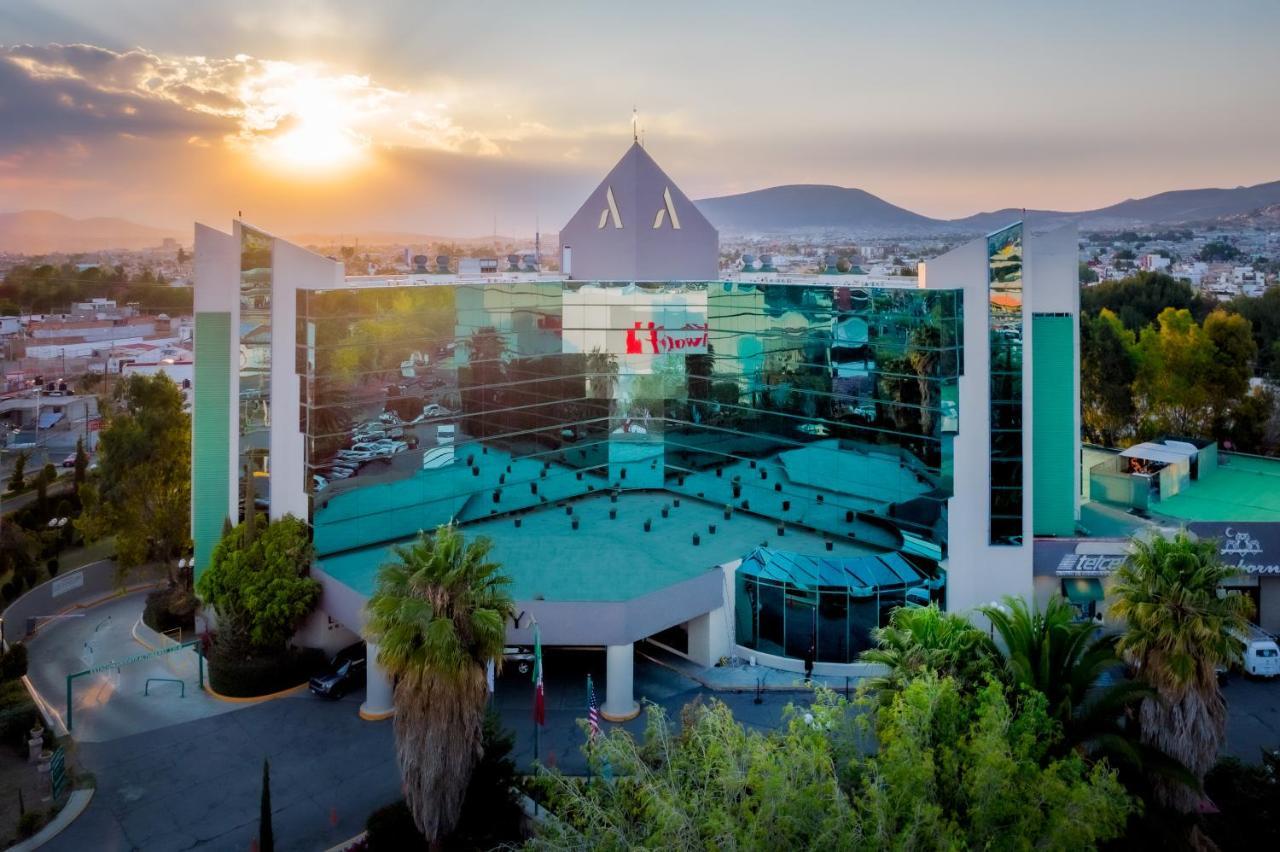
(1261, 655)
(445, 435)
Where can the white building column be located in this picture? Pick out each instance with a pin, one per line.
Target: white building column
(378, 702)
(620, 704)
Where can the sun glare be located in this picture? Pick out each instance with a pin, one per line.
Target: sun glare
(307, 122)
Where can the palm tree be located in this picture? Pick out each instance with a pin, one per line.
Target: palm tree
(1179, 632)
(926, 638)
(1046, 651)
(439, 617)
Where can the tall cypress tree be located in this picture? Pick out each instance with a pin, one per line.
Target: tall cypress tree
(266, 841)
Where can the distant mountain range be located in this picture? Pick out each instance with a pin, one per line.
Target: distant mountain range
(43, 231)
(776, 210)
(808, 207)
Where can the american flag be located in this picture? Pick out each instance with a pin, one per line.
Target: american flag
(593, 714)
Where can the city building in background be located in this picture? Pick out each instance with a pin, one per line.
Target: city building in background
(753, 464)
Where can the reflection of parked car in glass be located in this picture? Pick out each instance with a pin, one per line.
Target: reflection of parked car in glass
(445, 434)
(813, 429)
(318, 482)
(346, 672)
(437, 457)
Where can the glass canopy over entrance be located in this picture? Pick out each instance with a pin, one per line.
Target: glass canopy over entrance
(785, 602)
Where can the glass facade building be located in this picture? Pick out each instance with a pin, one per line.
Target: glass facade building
(829, 408)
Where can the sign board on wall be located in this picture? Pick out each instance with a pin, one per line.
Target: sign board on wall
(627, 320)
(67, 582)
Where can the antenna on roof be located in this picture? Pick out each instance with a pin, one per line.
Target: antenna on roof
(635, 125)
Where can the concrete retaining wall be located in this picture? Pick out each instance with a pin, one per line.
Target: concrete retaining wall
(75, 589)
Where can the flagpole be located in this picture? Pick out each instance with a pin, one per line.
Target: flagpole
(538, 685)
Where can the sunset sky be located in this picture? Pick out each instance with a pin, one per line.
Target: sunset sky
(437, 117)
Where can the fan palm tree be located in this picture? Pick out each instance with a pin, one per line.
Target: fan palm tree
(1046, 651)
(926, 638)
(1179, 632)
(439, 616)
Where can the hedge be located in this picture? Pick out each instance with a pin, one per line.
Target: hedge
(237, 676)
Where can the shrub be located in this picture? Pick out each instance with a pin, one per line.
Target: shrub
(239, 675)
(13, 663)
(18, 715)
(52, 567)
(168, 608)
(29, 823)
(391, 829)
(258, 582)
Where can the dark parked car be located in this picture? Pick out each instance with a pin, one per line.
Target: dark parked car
(346, 672)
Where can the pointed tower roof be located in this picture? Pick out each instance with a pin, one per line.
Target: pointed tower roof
(638, 226)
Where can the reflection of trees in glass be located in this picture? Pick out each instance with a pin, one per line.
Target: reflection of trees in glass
(330, 423)
(922, 354)
(602, 374)
(479, 380)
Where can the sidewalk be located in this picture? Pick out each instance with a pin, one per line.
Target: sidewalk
(745, 678)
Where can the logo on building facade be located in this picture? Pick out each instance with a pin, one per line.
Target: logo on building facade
(691, 339)
(667, 210)
(1089, 564)
(1242, 545)
(610, 211)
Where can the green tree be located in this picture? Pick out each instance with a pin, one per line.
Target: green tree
(953, 769)
(81, 465)
(142, 495)
(1175, 362)
(439, 617)
(18, 478)
(1108, 367)
(1179, 631)
(261, 587)
(919, 639)
(1046, 651)
(1138, 299)
(1087, 275)
(1234, 351)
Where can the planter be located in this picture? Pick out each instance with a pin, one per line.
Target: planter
(575, 523)
(711, 528)
(786, 505)
(613, 514)
(696, 540)
(519, 521)
(648, 524)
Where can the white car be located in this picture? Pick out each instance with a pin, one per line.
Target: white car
(318, 482)
(445, 435)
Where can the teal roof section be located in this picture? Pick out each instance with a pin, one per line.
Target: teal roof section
(608, 559)
(1241, 488)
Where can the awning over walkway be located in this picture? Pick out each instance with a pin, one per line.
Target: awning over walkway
(48, 418)
(1083, 590)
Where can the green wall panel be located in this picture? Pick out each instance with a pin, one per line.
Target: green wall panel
(211, 433)
(1053, 374)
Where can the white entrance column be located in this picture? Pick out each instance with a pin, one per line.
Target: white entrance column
(620, 704)
(377, 699)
